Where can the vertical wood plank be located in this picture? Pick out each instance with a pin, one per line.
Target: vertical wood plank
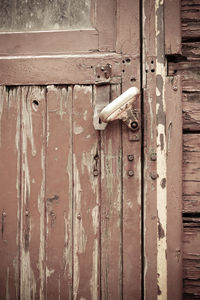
(173, 27)
(150, 152)
(128, 43)
(10, 192)
(86, 197)
(111, 205)
(32, 210)
(173, 93)
(161, 140)
(59, 193)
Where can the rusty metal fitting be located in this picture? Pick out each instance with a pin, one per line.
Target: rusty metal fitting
(130, 157)
(154, 175)
(153, 156)
(130, 173)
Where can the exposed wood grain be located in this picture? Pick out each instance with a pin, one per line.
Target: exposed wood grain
(191, 50)
(173, 181)
(191, 172)
(86, 176)
(63, 69)
(191, 274)
(111, 205)
(189, 72)
(10, 192)
(59, 193)
(128, 43)
(190, 14)
(32, 210)
(191, 111)
(43, 43)
(172, 27)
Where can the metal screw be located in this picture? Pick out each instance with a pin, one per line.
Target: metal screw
(134, 125)
(153, 156)
(154, 176)
(4, 214)
(95, 172)
(130, 173)
(175, 88)
(26, 213)
(130, 157)
(79, 217)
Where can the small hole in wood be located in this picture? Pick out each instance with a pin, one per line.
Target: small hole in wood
(123, 61)
(100, 122)
(35, 105)
(123, 71)
(91, 67)
(128, 60)
(98, 76)
(152, 62)
(152, 70)
(133, 79)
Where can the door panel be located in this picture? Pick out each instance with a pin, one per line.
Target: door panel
(77, 214)
(58, 192)
(111, 207)
(70, 196)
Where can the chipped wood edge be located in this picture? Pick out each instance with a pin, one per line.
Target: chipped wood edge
(173, 93)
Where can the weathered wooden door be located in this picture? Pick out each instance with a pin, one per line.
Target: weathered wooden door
(86, 213)
(70, 195)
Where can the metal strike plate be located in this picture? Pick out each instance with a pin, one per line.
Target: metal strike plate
(101, 99)
(103, 73)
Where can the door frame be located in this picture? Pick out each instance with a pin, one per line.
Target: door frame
(162, 214)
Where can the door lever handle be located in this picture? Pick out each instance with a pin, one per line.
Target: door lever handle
(123, 108)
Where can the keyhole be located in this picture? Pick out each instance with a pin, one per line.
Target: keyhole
(35, 105)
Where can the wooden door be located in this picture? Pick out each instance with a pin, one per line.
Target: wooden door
(70, 195)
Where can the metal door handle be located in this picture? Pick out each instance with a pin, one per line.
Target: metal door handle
(123, 108)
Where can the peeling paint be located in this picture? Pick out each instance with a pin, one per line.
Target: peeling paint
(169, 131)
(63, 102)
(161, 233)
(85, 115)
(41, 209)
(163, 183)
(161, 150)
(89, 163)
(95, 219)
(16, 274)
(67, 243)
(78, 129)
(80, 238)
(49, 272)
(94, 279)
